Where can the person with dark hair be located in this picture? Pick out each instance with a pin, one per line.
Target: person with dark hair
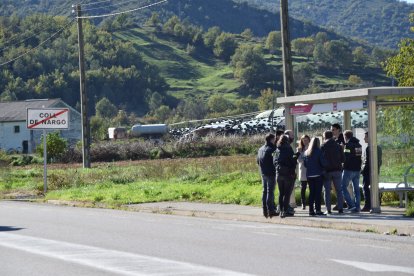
(279, 133)
(339, 139)
(303, 146)
(334, 157)
(352, 169)
(337, 133)
(315, 164)
(366, 174)
(268, 173)
(285, 163)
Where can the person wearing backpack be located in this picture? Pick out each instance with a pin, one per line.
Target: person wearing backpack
(315, 164)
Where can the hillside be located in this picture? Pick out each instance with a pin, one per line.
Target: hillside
(380, 22)
(204, 74)
(229, 15)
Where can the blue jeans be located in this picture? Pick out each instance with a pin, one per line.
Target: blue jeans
(336, 178)
(268, 198)
(354, 177)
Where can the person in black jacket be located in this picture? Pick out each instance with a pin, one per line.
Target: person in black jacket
(366, 174)
(337, 133)
(268, 173)
(285, 163)
(352, 170)
(334, 156)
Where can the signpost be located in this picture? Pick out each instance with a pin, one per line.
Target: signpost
(44, 119)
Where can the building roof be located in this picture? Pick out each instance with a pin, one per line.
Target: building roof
(17, 111)
(348, 95)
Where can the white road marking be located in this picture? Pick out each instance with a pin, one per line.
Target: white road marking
(109, 260)
(372, 267)
(318, 240)
(268, 234)
(374, 246)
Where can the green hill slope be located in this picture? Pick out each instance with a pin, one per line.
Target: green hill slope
(186, 75)
(204, 75)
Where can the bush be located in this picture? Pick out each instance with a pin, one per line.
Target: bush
(410, 210)
(56, 146)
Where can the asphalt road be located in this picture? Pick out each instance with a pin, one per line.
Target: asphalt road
(53, 240)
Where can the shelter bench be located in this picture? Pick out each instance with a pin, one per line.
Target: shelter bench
(401, 188)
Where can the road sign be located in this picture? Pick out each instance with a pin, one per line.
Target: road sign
(48, 118)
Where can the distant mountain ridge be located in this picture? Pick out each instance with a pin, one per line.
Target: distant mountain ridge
(229, 15)
(380, 22)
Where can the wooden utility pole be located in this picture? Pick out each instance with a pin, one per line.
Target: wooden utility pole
(289, 88)
(83, 97)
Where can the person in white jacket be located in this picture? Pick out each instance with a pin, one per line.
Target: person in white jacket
(303, 146)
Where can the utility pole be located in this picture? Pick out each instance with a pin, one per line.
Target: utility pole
(286, 49)
(83, 97)
(289, 88)
(288, 84)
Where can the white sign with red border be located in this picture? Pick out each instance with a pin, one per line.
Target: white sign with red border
(48, 118)
(328, 107)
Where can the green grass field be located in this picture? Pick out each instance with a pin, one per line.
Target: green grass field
(228, 180)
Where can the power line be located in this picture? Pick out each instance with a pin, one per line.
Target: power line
(39, 45)
(109, 6)
(23, 40)
(123, 12)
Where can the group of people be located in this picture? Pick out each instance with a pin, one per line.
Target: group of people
(336, 161)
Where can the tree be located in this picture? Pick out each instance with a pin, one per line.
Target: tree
(302, 74)
(162, 113)
(360, 57)
(354, 80)
(154, 20)
(210, 36)
(321, 38)
(274, 42)
(170, 25)
(304, 46)
(219, 104)
(249, 65)
(338, 53)
(225, 45)
(399, 120)
(247, 34)
(121, 118)
(155, 101)
(319, 55)
(267, 99)
(105, 109)
(246, 105)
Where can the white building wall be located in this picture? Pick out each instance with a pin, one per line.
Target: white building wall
(10, 140)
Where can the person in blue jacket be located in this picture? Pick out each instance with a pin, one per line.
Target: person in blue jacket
(315, 164)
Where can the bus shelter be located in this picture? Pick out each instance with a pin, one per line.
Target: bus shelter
(347, 101)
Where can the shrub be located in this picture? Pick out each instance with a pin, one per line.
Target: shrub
(410, 210)
(55, 145)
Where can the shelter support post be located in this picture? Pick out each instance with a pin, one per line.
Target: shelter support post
(290, 124)
(373, 155)
(347, 119)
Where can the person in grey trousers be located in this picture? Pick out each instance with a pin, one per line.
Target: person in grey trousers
(334, 156)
